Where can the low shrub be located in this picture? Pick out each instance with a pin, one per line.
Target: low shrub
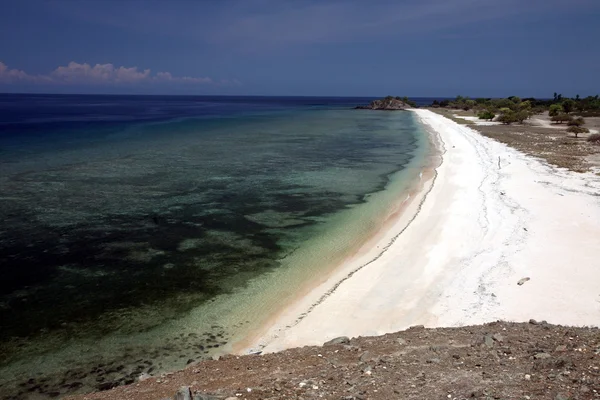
(594, 138)
(576, 122)
(486, 115)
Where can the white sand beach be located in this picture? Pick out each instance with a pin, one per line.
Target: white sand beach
(491, 217)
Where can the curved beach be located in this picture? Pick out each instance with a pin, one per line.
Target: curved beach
(493, 234)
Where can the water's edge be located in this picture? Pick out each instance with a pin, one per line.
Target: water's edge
(397, 219)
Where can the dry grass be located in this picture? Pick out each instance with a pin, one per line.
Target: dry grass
(450, 115)
(553, 145)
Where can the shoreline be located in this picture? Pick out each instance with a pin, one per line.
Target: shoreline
(369, 252)
(353, 261)
(451, 266)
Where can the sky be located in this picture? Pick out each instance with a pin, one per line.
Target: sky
(428, 48)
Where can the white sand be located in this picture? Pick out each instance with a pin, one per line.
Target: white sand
(492, 217)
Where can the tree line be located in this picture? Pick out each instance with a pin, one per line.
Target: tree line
(513, 109)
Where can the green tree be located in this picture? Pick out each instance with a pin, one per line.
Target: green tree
(525, 105)
(521, 116)
(560, 118)
(555, 109)
(568, 105)
(577, 130)
(486, 115)
(469, 104)
(508, 117)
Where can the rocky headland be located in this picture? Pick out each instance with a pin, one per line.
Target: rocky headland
(388, 103)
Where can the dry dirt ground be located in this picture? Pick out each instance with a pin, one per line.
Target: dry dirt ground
(495, 361)
(539, 138)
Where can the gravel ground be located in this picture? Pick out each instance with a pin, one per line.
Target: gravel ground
(495, 361)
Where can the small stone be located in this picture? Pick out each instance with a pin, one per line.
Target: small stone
(541, 356)
(365, 356)
(498, 337)
(337, 340)
(144, 376)
(401, 341)
(562, 347)
(522, 281)
(533, 322)
(561, 396)
(183, 393)
(527, 377)
(488, 341)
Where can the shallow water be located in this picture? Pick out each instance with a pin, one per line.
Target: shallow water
(141, 237)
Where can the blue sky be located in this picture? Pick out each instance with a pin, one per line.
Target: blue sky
(301, 47)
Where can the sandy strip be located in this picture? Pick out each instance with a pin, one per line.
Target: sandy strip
(492, 217)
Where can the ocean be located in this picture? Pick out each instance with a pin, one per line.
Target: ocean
(144, 233)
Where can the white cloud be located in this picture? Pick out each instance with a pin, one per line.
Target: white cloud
(10, 75)
(99, 74)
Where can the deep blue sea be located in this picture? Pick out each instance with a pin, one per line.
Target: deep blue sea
(141, 233)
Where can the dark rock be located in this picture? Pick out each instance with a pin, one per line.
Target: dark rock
(498, 337)
(206, 396)
(107, 386)
(523, 280)
(337, 340)
(366, 356)
(183, 393)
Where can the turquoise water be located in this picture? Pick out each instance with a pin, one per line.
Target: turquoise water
(147, 246)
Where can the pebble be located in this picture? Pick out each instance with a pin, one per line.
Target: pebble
(365, 356)
(144, 376)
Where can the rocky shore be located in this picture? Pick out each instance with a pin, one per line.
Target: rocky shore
(500, 360)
